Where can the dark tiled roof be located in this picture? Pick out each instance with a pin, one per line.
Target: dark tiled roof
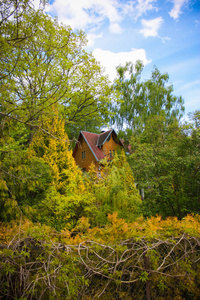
(103, 137)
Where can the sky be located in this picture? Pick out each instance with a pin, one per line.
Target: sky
(162, 33)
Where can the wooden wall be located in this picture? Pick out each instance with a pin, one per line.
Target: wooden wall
(109, 145)
(84, 163)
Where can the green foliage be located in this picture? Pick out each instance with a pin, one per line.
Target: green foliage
(164, 154)
(139, 101)
(121, 260)
(144, 276)
(115, 191)
(23, 179)
(44, 63)
(165, 164)
(47, 270)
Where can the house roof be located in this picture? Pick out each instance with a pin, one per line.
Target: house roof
(94, 141)
(103, 137)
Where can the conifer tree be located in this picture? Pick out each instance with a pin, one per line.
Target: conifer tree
(66, 200)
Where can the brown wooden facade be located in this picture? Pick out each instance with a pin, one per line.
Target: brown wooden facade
(92, 147)
(84, 161)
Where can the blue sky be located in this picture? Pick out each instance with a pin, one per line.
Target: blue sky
(165, 34)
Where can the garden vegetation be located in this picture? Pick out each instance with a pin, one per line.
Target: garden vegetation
(131, 233)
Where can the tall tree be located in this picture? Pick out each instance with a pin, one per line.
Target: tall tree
(165, 162)
(45, 66)
(141, 100)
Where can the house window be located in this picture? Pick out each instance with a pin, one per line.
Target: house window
(83, 155)
(110, 153)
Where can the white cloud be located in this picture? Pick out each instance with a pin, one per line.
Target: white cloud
(84, 14)
(143, 6)
(151, 27)
(111, 60)
(88, 14)
(136, 8)
(115, 28)
(91, 37)
(166, 38)
(176, 10)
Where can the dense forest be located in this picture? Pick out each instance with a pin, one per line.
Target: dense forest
(68, 234)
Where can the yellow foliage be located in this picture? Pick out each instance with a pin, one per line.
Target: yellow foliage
(118, 229)
(82, 225)
(53, 147)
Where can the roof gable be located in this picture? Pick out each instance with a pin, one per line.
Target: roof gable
(91, 139)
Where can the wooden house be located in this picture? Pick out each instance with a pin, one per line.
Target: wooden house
(93, 147)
